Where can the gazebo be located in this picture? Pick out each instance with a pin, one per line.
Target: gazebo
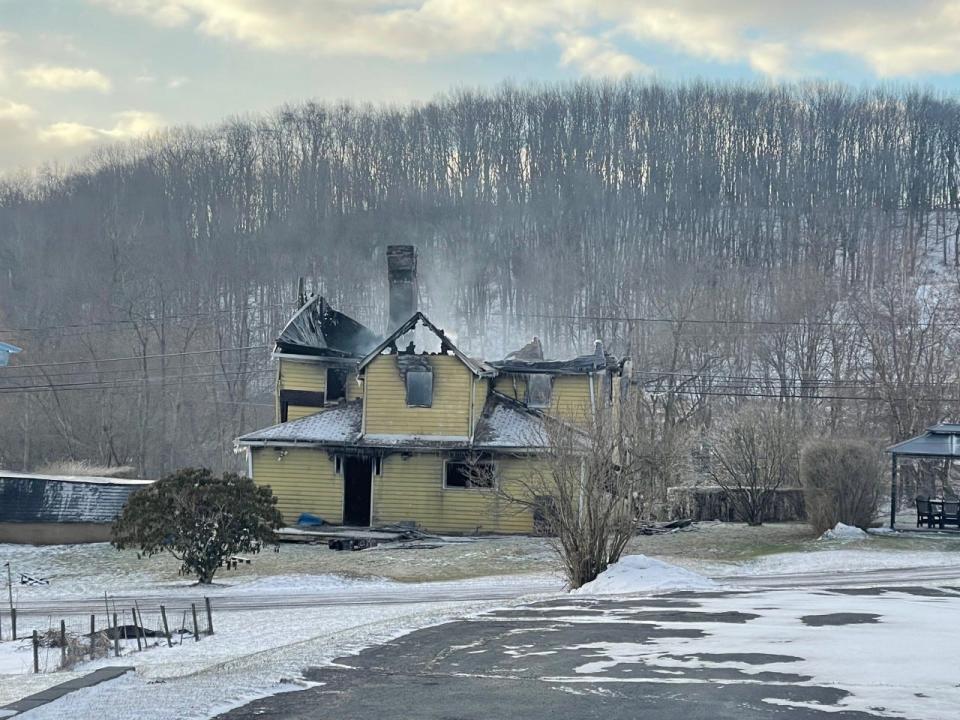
(941, 441)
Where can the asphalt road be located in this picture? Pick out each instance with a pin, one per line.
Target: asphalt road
(539, 662)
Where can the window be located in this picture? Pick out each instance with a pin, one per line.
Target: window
(466, 474)
(419, 388)
(301, 398)
(336, 384)
(539, 388)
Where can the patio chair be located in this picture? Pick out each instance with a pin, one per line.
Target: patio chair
(951, 513)
(928, 513)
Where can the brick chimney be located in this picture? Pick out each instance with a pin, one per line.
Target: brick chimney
(402, 275)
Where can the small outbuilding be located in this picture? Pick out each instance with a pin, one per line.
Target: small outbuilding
(60, 509)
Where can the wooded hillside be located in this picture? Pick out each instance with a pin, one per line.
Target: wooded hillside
(792, 242)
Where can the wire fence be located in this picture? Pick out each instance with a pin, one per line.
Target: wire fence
(123, 627)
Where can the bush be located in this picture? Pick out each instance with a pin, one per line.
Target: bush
(200, 519)
(841, 483)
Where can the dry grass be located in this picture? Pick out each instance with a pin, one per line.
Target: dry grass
(84, 468)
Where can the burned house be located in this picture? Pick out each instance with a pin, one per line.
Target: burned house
(377, 431)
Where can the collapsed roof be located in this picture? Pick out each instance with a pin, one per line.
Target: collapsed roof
(318, 329)
(581, 365)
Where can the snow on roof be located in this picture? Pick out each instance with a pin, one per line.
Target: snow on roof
(90, 479)
(338, 424)
(506, 423)
(25, 497)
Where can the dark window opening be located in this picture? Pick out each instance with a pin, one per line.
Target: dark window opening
(302, 398)
(357, 491)
(539, 389)
(419, 388)
(336, 384)
(468, 474)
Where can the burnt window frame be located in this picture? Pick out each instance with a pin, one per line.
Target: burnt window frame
(541, 377)
(345, 373)
(300, 398)
(406, 382)
(494, 478)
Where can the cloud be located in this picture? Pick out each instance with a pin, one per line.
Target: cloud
(26, 142)
(597, 57)
(773, 37)
(54, 77)
(129, 124)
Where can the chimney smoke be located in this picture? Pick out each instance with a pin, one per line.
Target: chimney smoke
(402, 275)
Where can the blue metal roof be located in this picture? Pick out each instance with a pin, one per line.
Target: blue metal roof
(6, 350)
(63, 499)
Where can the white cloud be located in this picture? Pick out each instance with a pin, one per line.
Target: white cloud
(129, 124)
(54, 77)
(11, 111)
(770, 36)
(597, 57)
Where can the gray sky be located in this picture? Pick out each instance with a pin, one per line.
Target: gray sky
(78, 73)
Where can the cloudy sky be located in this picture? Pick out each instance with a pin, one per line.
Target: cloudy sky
(77, 73)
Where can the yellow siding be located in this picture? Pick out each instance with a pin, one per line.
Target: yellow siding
(569, 399)
(412, 489)
(386, 410)
(354, 389)
(303, 480)
(295, 412)
(305, 375)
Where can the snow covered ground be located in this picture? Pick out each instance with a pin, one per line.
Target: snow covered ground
(302, 607)
(640, 574)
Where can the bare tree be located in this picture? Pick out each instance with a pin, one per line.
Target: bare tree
(752, 457)
(586, 492)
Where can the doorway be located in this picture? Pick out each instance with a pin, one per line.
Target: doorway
(357, 480)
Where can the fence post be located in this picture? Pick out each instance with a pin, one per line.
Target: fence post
(36, 653)
(93, 636)
(116, 637)
(209, 616)
(63, 643)
(166, 630)
(1, 626)
(196, 629)
(13, 622)
(136, 629)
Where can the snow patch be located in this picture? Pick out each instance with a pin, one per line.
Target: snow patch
(844, 532)
(641, 574)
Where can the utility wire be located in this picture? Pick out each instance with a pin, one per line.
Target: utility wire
(140, 358)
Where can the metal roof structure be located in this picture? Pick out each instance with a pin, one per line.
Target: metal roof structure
(30, 498)
(318, 329)
(939, 441)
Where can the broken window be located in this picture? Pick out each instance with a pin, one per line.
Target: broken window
(468, 474)
(301, 398)
(419, 388)
(539, 388)
(336, 384)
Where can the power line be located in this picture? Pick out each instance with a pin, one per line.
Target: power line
(125, 382)
(144, 320)
(140, 358)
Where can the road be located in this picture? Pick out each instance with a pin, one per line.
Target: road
(437, 592)
(761, 654)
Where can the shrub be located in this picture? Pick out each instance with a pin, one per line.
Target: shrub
(200, 519)
(841, 483)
